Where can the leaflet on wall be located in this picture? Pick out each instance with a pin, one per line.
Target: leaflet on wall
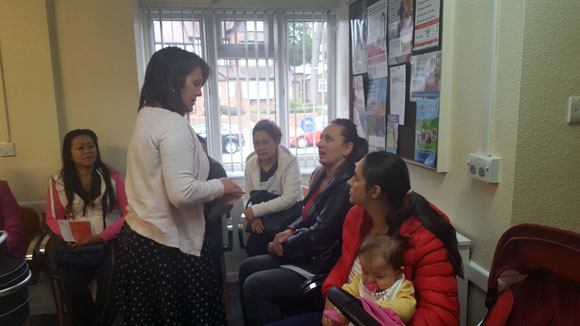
(377, 40)
(376, 114)
(426, 131)
(425, 76)
(400, 31)
(358, 111)
(392, 132)
(397, 90)
(358, 32)
(427, 18)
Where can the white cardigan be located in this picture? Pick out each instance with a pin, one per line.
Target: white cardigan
(287, 183)
(166, 186)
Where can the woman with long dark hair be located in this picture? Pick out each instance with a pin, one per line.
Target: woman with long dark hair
(165, 274)
(263, 283)
(86, 189)
(386, 204)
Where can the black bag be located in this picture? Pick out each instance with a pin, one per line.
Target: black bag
(84, 257)
(275, 222)
(324, 261)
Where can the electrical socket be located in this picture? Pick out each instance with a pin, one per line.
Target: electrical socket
(483, 167)
(7, 149)
(573, 110)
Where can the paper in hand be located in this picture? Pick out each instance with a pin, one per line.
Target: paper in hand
(72, 231)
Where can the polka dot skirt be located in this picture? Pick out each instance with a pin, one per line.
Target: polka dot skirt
(160, 285)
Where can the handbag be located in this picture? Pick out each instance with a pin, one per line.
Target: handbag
(322, 263)
(84, 257)
(275, 222)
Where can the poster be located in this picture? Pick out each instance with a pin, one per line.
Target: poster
(377, 40)
(397, 90)
(392, 133)
(358, 32)
(427, 17)
(426, 130)
(400, 31)
(425, 76)
(358, 111)
(376, 114)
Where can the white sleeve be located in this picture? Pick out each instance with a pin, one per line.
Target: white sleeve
(177, 151)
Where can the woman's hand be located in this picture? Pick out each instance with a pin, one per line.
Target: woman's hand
(87, 241)
(257, 225)
(275, 247)
(283, 236)
(327, 321)
(231, 188)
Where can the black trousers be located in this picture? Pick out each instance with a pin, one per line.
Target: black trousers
(264, 285)
(258, 244)
(74, 284)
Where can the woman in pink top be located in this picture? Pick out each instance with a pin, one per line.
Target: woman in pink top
(86, 190)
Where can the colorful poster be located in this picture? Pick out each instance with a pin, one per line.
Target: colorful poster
(357, 12)
(425, 76)
(427, 18)
(358, 110)
(376, 114)
(392, 133)
(400, 29)
(426, 131)
(397, 90)
(377, 40)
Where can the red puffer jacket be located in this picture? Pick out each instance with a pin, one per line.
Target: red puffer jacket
(426, 265)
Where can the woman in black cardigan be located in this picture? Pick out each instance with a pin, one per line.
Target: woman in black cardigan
(263, 283)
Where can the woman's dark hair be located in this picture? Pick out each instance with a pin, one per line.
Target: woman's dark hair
(360, 145)
(165, 77)
(268, 127)
(381, 245)
(390, 173)
(72, 182)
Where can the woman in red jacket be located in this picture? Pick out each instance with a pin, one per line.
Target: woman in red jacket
(384, 203)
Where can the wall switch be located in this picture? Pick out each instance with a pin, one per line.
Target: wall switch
(573, 110)
(483, 167)
(7, 149)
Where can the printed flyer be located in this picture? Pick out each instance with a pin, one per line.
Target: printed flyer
(376, 114)
(425, 76)
(426, 130)
(427, 18)
(358, 11)
(358, 112)
(397, 89)
(400, 29)
(377, 40)
(392, 133)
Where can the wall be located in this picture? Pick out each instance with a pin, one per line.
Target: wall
(30, 99)
(67, 65)
(547, 170)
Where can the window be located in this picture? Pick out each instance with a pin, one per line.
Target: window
(267, 64)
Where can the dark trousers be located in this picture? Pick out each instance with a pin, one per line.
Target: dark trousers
(74, 284)
(258, 244)
(265, 285)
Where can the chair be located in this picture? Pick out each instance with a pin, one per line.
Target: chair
(534, 278)
(34, 229)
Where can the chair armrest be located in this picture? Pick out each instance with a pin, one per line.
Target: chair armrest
(241, 227)
(350, 307)
(33, 247)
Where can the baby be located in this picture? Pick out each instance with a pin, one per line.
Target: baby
(382, 279)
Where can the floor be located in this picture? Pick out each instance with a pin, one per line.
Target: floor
(234, 315)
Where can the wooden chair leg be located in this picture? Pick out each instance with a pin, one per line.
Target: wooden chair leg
(225, 284)
(58, 302)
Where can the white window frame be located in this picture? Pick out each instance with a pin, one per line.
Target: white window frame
(210, 46)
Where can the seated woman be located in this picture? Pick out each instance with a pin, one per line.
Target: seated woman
(385, 204)
(273, 168)
(263, 283)
(87, 190)
(10, 221)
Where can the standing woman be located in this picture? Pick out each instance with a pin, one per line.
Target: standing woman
(385, 204)
(264, 284)
(273, 168)
(165, 274)
(87, 190)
